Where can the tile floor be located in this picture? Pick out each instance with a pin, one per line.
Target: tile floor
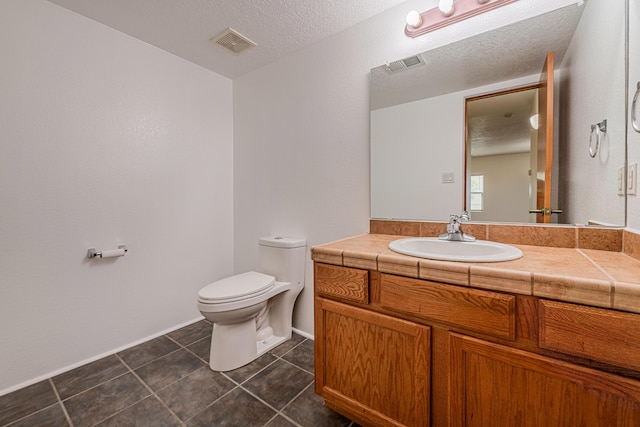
(167, 382)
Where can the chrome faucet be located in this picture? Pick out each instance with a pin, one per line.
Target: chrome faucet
(454, 232)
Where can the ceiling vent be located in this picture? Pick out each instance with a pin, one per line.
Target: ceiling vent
(233, 41)
(404, 64)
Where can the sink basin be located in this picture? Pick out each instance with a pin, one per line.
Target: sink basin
(434, 248)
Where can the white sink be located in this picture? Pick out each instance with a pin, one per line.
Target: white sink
(446, 250)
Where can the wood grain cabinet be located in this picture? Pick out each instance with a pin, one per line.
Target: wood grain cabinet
(494, 385)
(371, 367)
(398, 351)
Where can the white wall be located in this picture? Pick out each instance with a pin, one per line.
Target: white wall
(412, 145)
(301, 156)
(104, 140)
(593, 83)
(633, 142)
(506, 186)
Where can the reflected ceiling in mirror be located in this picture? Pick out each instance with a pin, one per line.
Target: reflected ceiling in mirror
(507, 53)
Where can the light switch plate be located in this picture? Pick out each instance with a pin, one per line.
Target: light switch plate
(621, 181)
(632, 179)
(448, 177)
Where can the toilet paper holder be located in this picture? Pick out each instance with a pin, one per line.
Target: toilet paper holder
(92, 253)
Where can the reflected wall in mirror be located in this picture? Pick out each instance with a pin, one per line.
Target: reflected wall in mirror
(418, 169)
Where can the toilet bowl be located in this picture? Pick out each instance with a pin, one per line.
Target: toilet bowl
(251, 312)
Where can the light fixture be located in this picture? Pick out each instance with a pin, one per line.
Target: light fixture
(414, 19)
(448, 12)
(534, 121)
(446, 7)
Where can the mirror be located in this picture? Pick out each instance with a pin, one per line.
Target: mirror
(418, 160)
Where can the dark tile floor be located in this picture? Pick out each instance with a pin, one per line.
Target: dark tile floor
(167, 382)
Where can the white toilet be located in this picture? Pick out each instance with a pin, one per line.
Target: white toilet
(251, 312)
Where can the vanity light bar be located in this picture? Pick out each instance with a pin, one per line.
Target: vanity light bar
(434, 19)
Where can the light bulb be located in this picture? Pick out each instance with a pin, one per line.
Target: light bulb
(446, 7)
(534, 121)
(414, 19)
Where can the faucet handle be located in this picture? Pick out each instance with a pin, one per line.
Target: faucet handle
(464, 216)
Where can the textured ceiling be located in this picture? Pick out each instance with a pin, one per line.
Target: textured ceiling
(184, 27)
(510, 52)
(500, 124)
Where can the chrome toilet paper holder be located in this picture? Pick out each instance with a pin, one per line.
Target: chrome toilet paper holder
(92, 253)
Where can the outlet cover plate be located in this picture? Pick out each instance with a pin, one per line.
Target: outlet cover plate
(632, 179)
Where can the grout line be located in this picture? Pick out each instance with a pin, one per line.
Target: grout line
(30, 414)
(296, 366)
(93, 386)
(291, 401)
(212, 403)
(286, 404)
(64, 408)
(260, 399)
(146, 397)
(255, 374)
(155, 395)
(612, 280)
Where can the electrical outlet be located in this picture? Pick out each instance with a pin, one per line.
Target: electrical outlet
(621, 181)
(632, 179)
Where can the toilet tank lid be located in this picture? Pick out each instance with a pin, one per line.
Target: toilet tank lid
(282, 242)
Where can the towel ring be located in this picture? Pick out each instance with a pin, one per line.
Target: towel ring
(598, 129)
(634, 118)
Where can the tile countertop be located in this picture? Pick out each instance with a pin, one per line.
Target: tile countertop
(584, 276)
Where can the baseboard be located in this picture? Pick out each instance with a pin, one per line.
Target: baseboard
(97, 357)
(303, 333)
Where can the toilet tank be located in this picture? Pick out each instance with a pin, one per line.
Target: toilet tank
(283, 258)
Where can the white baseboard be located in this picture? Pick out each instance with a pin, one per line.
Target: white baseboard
(94, 358)
(303, 333)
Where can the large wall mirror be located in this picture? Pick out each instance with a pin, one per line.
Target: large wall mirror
(423, 117)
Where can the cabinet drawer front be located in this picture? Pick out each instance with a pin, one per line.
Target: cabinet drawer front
(344, 283)
(486, 312)
(603, 335)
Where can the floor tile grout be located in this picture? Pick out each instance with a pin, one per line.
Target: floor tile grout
(153, 393)
(212, 403)
(60, 402)
(240, 386)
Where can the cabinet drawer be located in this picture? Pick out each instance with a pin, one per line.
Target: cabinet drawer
(486, 312)
(594, 333)
(344, 283)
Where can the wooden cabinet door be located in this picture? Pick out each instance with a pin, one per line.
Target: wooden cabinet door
(370, 367)
(493, 385)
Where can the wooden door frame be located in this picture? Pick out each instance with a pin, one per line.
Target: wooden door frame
(466, 133)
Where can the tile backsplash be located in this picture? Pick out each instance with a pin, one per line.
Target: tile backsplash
(559, 236)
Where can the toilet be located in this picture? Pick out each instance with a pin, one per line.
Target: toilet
(251, 312)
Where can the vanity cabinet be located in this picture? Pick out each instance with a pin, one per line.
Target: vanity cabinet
(399, 351)
(372, 367)
(494, 385)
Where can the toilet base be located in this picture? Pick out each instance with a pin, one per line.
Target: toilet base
(233, 346)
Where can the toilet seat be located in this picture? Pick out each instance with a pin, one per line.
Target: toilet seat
(236, 288)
